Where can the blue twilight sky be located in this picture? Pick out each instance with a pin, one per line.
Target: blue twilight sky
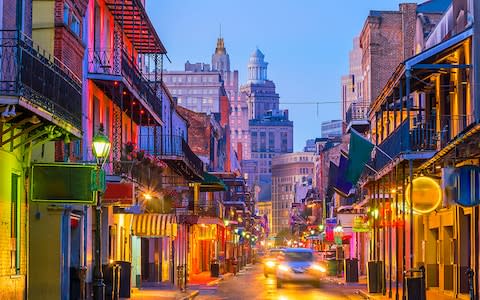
(305, 42)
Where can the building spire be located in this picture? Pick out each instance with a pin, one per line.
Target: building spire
(220, 44)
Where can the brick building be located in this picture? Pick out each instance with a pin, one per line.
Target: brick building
(387, 39)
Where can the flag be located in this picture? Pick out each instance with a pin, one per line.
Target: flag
(332, 179)
(342, 186)
(360, 150)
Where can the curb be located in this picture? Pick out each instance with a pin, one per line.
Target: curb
(364, 294)
(192, 295)
(217, 281)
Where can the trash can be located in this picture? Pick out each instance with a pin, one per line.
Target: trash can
(351, 270)
(375, 276)
(125, 278)
(415, 284)
(332, 267)
(214, 268)
(111, 278)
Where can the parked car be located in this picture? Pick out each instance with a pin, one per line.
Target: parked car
(299, 265)
(270, 261)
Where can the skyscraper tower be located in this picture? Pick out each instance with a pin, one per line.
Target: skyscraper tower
(257, 68)
(259, 91)
(271, 132)
(220, 59)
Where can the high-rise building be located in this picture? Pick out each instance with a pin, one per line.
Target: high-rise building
(197, 88)
(200, 88)
(332, 128)
(289, 171)
(354, 109)
(259, 91)
(310, 146)
(271, 132)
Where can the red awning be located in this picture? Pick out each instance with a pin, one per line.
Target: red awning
(119, 193)
(136, 24)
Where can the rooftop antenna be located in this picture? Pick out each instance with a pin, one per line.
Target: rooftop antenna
(220, 30)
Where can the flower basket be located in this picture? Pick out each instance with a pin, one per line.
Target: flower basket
(129, 147)
(140, 155)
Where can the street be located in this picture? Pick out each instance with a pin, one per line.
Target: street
(251, 284)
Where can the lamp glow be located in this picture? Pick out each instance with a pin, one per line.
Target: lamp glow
(101, 145)
(427, 195)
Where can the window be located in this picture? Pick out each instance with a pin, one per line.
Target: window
(263, 142)
(75, 26)
(66, 13)
(271, 140)
(14, 222)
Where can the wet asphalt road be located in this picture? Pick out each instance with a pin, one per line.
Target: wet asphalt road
(251, 284)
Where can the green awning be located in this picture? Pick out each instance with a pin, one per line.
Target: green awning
(212, 183)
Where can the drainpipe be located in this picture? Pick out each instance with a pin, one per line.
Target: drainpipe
(476, 113)
(476, 60)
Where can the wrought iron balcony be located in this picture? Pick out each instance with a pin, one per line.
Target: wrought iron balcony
(115, 65)
(207, 210)
(41, 80)
(425, 135)
(175, 151)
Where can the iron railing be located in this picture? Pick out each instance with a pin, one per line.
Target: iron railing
(207, 210)
(173, 146)
(356, 111)
(27, 71)
(117, 62)
(431, 134)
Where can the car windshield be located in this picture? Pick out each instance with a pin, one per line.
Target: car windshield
(298, 256)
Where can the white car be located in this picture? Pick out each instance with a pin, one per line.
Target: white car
(298, 265)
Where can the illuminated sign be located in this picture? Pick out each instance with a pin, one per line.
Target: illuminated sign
(62, 183)
(426, 194)
(463, 185)
(361, 224)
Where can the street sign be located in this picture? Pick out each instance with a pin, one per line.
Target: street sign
(62, 183)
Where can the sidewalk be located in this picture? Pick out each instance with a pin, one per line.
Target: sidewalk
(162, 293)
(430, 295)
(363, 290)
(205, 279)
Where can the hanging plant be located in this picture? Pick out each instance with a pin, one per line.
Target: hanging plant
(130, 147)
(147, 159)
(140, 155)
(159, 163)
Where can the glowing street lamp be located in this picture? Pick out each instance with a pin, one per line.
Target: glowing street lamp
(101, 147)
(101, 150)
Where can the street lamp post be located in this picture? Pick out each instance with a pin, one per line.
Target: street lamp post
(101, 149)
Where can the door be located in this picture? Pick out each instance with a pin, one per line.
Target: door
(431, 257)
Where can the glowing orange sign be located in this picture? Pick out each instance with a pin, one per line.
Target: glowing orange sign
(426, 194)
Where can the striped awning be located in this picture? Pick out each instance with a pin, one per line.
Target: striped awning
(154, 225)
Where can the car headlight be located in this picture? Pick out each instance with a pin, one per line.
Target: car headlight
(318, 268)
(270, 263)
(283, 268)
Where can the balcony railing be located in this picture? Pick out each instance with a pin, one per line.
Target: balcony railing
(27, 72)
(207, 210)
(117, 62)
(172, 147)
(356, 111)
(430, 134)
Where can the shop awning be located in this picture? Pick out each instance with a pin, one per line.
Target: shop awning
(212, 183)
(154, 225)
(119, 194)
(210, 221)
